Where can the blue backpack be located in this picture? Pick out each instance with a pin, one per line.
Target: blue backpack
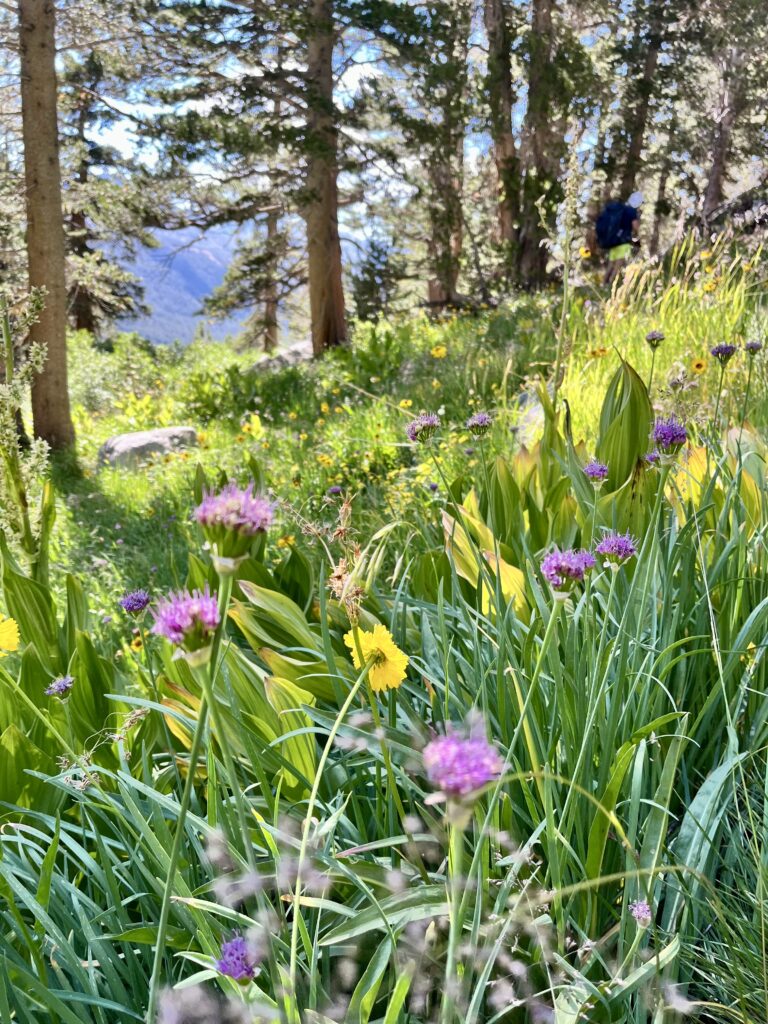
(609, 226)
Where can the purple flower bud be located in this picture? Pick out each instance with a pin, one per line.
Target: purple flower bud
(459, 766)
(423, 427)
(237, 960)
(724, 352)
(641, 912)
(596, 471)
(479, 424)
(753, 347)
(59, 687)
(669, 435)
(563, 569)
(654, 338)
(134, 601)
(334, 491)
(616, 548)
(187, 620)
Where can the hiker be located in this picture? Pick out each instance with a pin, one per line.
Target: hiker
(616, 227)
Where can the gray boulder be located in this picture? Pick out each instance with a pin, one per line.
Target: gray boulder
(129, 450)
(294, 355)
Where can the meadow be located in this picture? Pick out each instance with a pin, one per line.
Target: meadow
(429, 687)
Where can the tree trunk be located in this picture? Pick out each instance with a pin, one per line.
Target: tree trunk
(541, 154)
(637, 117)
(270, 297)
(731, 105)
(82, 313)
(501, 101)
(326, 292)
(446, 223)
(45, 225)
(660, 209)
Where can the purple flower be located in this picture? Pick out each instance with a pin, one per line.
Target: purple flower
(469, 451)
(237, 960)
(334, 491)
(479, 424)
(239, 510)
(433, 486)
(187, 620)
(562, 569)
(654, 338)
(59, 687)
(134, 601)
(641, 912)
(724, 352)
(423, 427)
(669, 435)
(459, 766)
(616, 548)
(652, 457)
(753, 347)
(596, 471)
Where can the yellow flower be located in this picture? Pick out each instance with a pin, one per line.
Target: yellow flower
(136, 643)
(698, 366)
(598, 353)
(338, 408)
(438, 351)
(705, 255)
(335, 391)
(325, 408)
(405, 403)
(709, 269)
(377, 646)
(436, 383)
(709, 286)
(9, 636)
(292, 416)
(287, 541)
(240, 438)
(584, 252)
(303, 436)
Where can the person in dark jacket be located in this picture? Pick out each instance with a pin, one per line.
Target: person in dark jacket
(617, 226)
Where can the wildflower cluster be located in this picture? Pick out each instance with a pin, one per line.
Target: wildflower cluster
(669, 435)
(724, 352)
(423, 427)
(232, 517)
(563, 569)
(460, 766)
(188, 620)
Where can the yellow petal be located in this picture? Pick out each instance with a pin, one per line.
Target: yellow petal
(9, 635)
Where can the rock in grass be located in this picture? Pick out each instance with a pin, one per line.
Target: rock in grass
(130, 450)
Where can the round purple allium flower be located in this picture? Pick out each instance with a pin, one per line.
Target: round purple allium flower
(134, 601)
(479, 424)
(237, 960)
(239, 510)
(334, 491)
(654, 338)
(753, 347)
(459, 766)
(596, 471)
(616, 548)
(669, 435)
(59, 687)
(641, 912)
(423, 427)
(562, 569)
(724, 352)
(187, 620)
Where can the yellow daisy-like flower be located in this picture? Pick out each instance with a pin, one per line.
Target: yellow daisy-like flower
(599, 353)
(388, 662)
(584, 252)
(698, 366)
(287, 541)
(325, 408)
(406, 403)
(438, 351)
(136, 643)
(706, 254)
(9, 636)
(709, 286)
(436, 384)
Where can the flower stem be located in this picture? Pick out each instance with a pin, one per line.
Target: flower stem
(746, 400)
(186, 798)
(293, 963)
(455, 884)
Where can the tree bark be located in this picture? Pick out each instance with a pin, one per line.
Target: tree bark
(501, 101)
(446, 223)
(45, 222)
(270, 297)
(732, 98)
(637, 116)
(541, 149)
(326, 291)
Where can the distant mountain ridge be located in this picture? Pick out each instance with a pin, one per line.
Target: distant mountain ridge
(177, 276)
